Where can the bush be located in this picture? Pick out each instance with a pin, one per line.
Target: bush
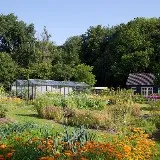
(83, 101)
(55, 113)
(49, 99)
(139, 99)
(2, 92)
(90, 119)
(83, 118)
(135, 110)
(3, 111)
(120, 113)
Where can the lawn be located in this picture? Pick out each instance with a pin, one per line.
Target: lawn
(22, 114)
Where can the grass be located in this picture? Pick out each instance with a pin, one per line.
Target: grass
(158, 149)
(28, 114)
(25, 114)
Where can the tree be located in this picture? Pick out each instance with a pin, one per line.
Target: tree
(72, 47)
(17, 39)
(83, 73)
(8, 69)
(41, 70)
(92, 44)
(133, 48)
(96, 52)
(44, 48)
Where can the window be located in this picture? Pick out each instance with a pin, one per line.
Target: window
(158, 90)
(146, 91)
(134, 89)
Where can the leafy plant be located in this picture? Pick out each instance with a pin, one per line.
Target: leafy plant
(3, 111)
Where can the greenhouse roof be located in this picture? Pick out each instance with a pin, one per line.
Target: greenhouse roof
(20, 82)
(40, 82)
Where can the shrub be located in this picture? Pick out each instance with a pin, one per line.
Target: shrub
(2, 92)
(155, 119)
(135, 110)
(83, 101)
(3, 111)
(49, 99)
(83, 118)
(90, 119)
(120, 113)
(52, 112)
(139, 99)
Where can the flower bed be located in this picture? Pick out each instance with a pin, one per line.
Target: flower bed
(134, 145)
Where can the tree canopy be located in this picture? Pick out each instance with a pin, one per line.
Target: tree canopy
(102, 56)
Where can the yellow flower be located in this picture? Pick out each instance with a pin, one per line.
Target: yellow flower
(3, 146)
(68, 153)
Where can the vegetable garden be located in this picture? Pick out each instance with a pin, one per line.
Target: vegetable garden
(112, 125)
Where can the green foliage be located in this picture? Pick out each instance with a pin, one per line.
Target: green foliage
(50, 99)
(84, 118)
(139, 99)
(79, 100)
(16, 38)
(83, 101)
(96, 52)
(83, 73)
(68, 110)
(41, 70)
(11, 128)
(147, 124)
(72, 47)
(80, 135)
(120, 114)
(8, 69)
(62, 71)
(102, 55)
(2, 92)
(3, 111)
(32, 137)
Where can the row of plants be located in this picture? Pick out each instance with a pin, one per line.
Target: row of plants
(43, 144)
(76, 100)
(89, 110)
(94, 112)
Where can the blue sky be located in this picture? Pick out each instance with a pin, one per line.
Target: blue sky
(65, 18)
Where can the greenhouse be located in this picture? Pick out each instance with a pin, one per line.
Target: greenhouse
(32, 87)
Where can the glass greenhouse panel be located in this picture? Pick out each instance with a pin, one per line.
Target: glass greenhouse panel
(34, 87)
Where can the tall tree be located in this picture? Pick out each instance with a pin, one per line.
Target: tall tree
(16, 38)
(95, 51)
(134, 48)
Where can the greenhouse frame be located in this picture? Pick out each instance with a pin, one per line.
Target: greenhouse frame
(32, 87)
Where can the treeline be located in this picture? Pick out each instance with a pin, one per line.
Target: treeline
(102, 56)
